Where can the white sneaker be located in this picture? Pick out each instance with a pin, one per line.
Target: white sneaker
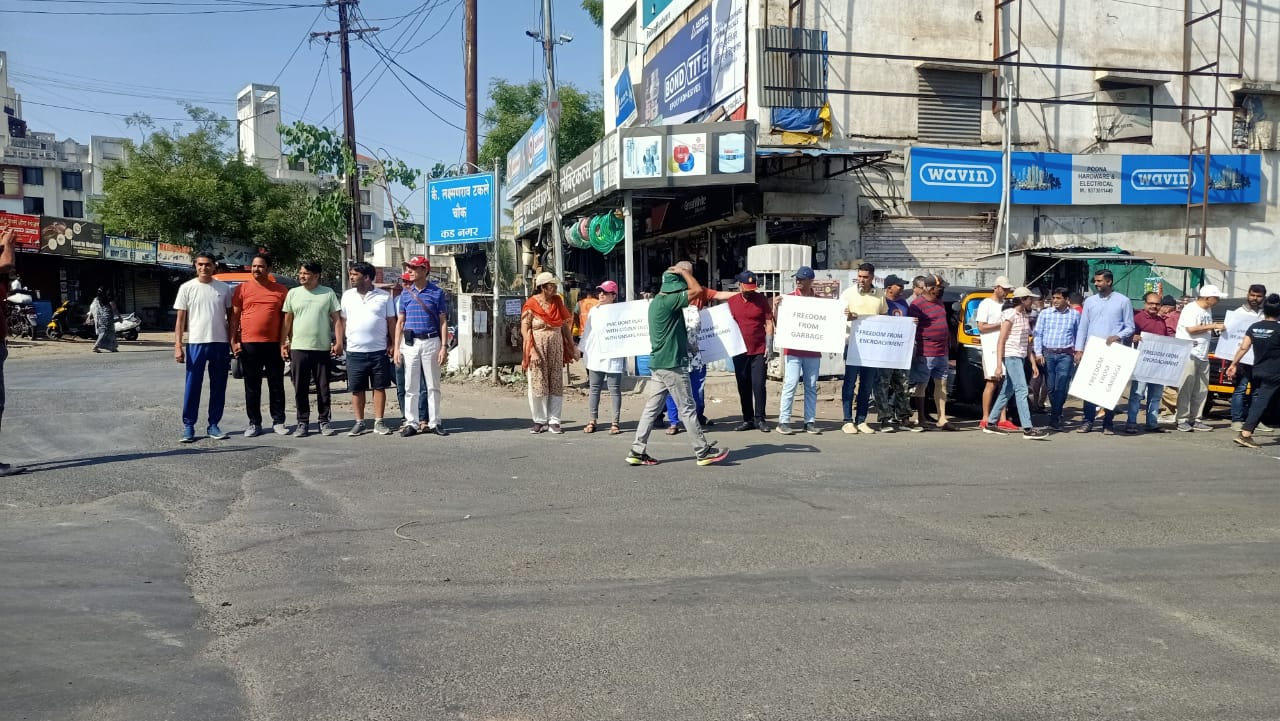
(866, 428)
(1263, 428)
(281, 429)
(849, 428)
(252, 431)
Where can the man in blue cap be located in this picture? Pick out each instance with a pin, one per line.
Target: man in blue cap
(800, 365)
(668, 367)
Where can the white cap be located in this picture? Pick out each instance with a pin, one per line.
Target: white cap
(1209, 291)
(1021, 292)
(1003, 282)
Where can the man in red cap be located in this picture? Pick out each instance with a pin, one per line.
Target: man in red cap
(423, 319)
(753, 313)
(405, 279)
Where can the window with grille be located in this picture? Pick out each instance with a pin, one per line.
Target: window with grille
(950, 107)
(72, 209)
(623, 44)
(1130, 119)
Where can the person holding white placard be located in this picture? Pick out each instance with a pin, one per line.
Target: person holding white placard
(861, 300)
(800, 365)
(754, 315)
(1197, 325)
(1106, 314)
(893, 386)
(607, 372)
(1263, 338)
(1011, 367)
(1241, 395)
(1147, 323)
(989, 320)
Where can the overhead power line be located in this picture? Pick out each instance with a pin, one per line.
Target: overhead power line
(135, 13)
(305, 37)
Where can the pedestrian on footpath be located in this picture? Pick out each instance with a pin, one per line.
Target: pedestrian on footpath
(1054, 339)
(1109, 315)
(546, 324)
(697, 368)
(800, 366)
(1197, 325)
(257, 315)
(396, 290)
(668, 368)
(203, 306)
(1011, 366)
(754, 315)
(932, 353)
(1148, 324)
(989, 320)
(7, 259)
(603, 373)
(102, 313)
(1264, 338)
(1241, 396)
(313, 333)
(861, 300)
(422, 319)
(369, 319)
(893, 385)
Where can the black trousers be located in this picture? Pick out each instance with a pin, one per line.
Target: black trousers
(1264, 393)
(308, 366)
(261, 361)
(750, 371)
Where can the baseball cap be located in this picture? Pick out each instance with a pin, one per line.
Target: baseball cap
(406, 276)
(747, 280)
(805, 273)
(1035, 293)
(1209, 291)
(894, 280)
(608, 286)
(1021, 292)
(1003, 282)
(419, 261)
(1168, 300)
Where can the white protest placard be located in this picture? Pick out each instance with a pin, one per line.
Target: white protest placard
(1162, 360)
(1104, 373)
(1236, 322)
(882, 341)
(619, 330)
(718, 335)
(812, 324)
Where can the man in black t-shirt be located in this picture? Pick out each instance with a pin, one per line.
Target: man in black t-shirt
(6, 267)
(1264, 338)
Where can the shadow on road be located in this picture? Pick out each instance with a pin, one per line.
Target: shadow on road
(125, 457)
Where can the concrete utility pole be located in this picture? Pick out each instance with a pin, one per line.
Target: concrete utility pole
(354, 235)
(473, 113)
(549, 42)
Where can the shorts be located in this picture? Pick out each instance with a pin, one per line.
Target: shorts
(368, 370)
(923, 368)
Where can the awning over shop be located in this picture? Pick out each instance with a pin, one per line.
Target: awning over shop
(1178, 260)
(837, 162)
(1066, 254)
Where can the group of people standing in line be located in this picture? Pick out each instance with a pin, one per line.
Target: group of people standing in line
(262, 325)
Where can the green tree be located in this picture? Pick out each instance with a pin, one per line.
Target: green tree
(185, 186)
(595, 8)
(513, 108)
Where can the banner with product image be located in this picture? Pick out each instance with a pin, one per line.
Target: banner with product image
(1104, 372)
(619, 330)
(812, 324)
(1162, 360)
(719, 336)
(881, 341)
(1236, 322)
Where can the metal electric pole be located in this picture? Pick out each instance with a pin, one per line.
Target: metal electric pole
(473, 113)
(354, 234)
(549, 42)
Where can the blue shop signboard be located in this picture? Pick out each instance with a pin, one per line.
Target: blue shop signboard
(945, 175)
(527, 161)
(625, 99)
(677, 81)
(460, 210)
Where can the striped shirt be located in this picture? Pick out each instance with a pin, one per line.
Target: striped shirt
(1055, 329)
(416, 318)
(933, 337)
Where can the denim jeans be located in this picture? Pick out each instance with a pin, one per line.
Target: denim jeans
(1059, 367)
(1015, 385)
(1152, 393)
(866, 379)
(613, 382)
(798, 368)
(1266, 390)
(1240, 399)
(697, 379)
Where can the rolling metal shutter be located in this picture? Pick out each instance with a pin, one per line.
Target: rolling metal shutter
(927, 242)
(950, 109)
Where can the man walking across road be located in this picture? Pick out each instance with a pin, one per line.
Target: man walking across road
(257, 314)
(668, 366)
(369, 318)
(697, 369)
(1148, 324)
(1197, 325)
(422, 321)
(754, 314)
(1242, 396)
(1054, 339)
(988, 319)
(800, 366)
(313, 333)
(893, 385)
(860, 300)
(1109, 315)
(203, 306)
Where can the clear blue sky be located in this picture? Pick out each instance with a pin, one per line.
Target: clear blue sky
(208, 58)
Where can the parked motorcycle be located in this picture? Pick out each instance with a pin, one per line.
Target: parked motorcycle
(66, 320)
(20, 310)
(127, 326)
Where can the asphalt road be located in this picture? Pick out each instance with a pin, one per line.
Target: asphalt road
(503, 576)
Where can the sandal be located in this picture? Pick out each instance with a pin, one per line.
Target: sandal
(673, 429)
(614, 430)
(590, 427)
(947, 427)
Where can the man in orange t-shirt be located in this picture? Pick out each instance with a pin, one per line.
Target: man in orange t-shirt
(257, 315)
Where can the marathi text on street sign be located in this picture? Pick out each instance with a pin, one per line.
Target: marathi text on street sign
(460, 210)
(1104, 372)
(812, 324)
(1162, 360)
(881, 341)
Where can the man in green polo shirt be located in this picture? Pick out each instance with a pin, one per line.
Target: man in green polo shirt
(668, 366)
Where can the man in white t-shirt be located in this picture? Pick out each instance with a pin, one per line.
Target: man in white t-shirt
(370, 322)
(1196, 324)
(988, 320)
(203, 306)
